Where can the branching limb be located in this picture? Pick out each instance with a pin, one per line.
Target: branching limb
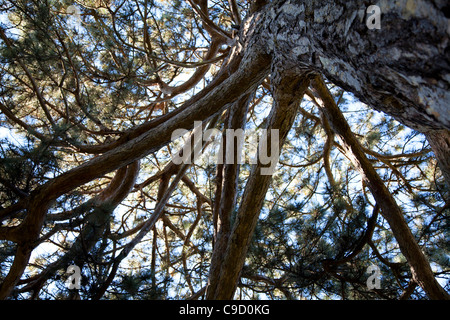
(420, 267)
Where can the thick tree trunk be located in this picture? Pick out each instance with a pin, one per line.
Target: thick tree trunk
(402, 69)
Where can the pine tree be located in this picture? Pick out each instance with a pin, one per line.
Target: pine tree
(91, 93)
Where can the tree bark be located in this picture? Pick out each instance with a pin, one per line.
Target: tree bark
(440, 143)
(402, 69)
(227, 190)
(288, 93)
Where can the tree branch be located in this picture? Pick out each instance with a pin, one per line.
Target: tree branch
(287, 96)
(419, 264)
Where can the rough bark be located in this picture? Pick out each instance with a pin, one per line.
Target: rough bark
(403, 69)
(226, 193)
(440, 143)
(288, 92)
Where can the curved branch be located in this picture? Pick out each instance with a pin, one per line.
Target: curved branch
(287, 96)
(420, 267)
(96, 222)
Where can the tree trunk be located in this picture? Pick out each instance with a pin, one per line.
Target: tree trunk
(225, 199)
(288, 92)
(402, 69)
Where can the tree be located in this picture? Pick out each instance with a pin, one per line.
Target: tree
(93, 91)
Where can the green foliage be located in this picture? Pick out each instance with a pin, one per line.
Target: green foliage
(113, 73)
(23, 168)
